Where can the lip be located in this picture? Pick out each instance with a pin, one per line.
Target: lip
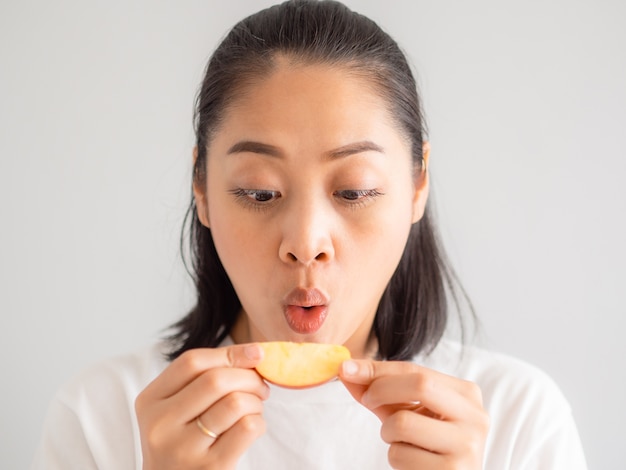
(304, 297)
(305, 310)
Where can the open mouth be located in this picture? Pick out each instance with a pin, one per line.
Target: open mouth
(305, 310)
(305, 320)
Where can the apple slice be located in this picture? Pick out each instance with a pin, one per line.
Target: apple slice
(300, 365)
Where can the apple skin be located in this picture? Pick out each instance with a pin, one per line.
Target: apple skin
(300, 365)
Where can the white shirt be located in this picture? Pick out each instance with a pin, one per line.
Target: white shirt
(91, 422)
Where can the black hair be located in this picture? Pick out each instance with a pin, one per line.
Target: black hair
(413, 311)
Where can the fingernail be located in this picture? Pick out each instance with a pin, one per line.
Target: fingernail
(253, 352)
(350, 368)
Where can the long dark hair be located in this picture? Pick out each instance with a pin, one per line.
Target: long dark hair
(413, 312)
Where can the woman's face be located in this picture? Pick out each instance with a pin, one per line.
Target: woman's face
(309, 196)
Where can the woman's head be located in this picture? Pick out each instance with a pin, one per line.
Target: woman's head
(306, 32)
(310, 188)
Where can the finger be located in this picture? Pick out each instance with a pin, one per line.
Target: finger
(405, 382)
(421, 431)
(405, 456)
(229, 447)
(194, 362)
(432, 390)
(229, 410)
(211, 386)
(356, 390)
(364, 371)
(194, 444)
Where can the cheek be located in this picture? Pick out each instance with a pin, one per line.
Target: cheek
(386, 247)
(229, 234)
(247, 250)
(377, 243)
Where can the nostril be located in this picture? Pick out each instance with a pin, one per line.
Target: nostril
(290, 256)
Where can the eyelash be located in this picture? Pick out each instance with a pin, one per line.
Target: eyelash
(353, 198)
(363, 196)
(248, 197)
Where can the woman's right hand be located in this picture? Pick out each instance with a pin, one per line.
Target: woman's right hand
(217, 386)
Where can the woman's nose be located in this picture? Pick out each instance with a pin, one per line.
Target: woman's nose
(307, 234)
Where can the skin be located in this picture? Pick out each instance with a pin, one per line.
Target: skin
(310, 236)
(317, 208)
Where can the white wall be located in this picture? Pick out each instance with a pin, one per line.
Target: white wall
(526, 103)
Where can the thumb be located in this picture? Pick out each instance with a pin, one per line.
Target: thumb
(357, 380)
(347, 372)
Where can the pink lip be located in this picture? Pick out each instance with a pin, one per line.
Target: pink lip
(305, 310)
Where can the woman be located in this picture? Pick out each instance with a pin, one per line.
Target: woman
(310, 222)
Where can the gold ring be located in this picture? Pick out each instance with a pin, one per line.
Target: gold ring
(205, 430)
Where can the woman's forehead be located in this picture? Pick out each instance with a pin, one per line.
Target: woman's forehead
(315, 98)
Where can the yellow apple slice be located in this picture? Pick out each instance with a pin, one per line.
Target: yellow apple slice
(300, 365)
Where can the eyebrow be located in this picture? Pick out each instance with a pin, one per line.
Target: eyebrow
(355, 147)
(254, 147)
(273, 151)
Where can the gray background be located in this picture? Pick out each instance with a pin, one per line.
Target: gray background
(526, 103)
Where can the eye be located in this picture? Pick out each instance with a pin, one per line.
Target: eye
(357, 196)
(261, 195)
(256, 197)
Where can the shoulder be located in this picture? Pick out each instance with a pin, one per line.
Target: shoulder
(91, 421)
(531, 420)
(511, 387)
(123, 375)
(499, 376)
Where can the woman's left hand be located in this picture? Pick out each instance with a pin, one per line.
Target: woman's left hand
(429, 419)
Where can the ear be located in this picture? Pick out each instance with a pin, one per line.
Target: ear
(199, 192)
(421, 185)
